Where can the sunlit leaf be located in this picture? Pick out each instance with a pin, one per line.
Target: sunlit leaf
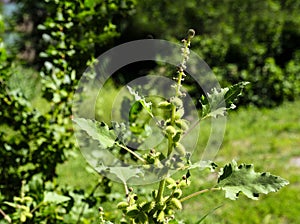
(53, 197)
(234, 179)
(124, 174)
(97, 130)
(146, 105)
(233, 93)
(219, 101)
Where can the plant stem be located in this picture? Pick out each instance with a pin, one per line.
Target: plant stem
(6, 217)
(162, 183)
(161, 189)
(200, 192)
(132, 152)
(185, 54)
(180, 75)
(170, 145)
(173, 114)
(37, 207)
(126, 192)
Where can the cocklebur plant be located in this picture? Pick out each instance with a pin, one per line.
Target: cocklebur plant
(171, 154)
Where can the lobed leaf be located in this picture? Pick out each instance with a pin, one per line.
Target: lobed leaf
(203, 164)
(233, 93)
(146, 105)
(219, 101)
(98, 131)
(234, 179)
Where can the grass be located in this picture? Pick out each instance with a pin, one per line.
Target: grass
(268, 138)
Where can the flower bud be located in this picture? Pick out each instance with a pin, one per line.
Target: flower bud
(191, 33)
(161, 216)
(176, 101)
(175, 203)
(177, 193)
(180, 149)
(182, 124)
(122, 205)
(170, 130)
(179, 113)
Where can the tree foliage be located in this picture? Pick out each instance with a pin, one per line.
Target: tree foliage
(253, 41)
(69, 35)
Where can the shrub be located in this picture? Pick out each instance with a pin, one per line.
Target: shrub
(119, 151)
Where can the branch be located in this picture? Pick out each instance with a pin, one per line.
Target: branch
(8, 219)
(200, 192)
(132, 152)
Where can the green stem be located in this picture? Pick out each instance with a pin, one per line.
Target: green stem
(161, 189)
(132, 152)
(37, 207)
(170, 145)
(162, 183)
(200, 192)
(181, 74)
(173, 114)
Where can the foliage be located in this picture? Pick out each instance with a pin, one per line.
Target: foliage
(253, 41)
(218, 102)
(31, 143)
(235, 179)
(66, 39)
(267, 137)
(34, 140)
(44, 202)
(73, 30)
(167, 199)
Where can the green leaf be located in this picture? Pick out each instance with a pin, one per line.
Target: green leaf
(124, 174)
(234, 179)
(148, 206)
(142, 217)
(217, 112)
(11, 204)
(233, 93)
(203, 165)
(98, 131)
(214, 105)
(53, 197)
(219, 101)
(146, 105)
(135, 110)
